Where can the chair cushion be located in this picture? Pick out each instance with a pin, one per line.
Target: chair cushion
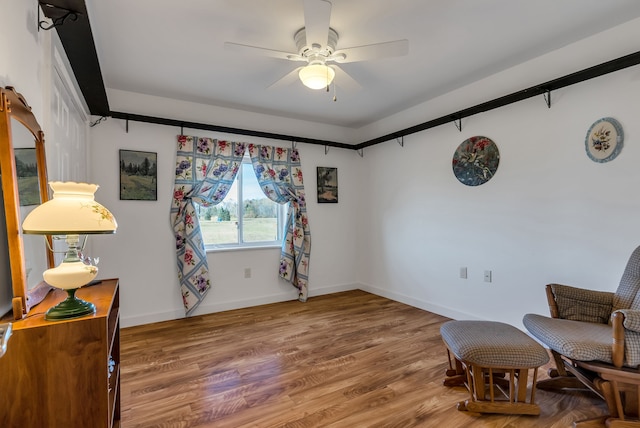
(580, 304)
(582, 341)
(492, 344)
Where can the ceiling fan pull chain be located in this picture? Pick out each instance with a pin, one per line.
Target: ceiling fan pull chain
(328, 83)
(335, 97)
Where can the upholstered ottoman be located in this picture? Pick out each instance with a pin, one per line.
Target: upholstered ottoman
(492, 358)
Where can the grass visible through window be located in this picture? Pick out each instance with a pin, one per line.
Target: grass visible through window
(255, 230)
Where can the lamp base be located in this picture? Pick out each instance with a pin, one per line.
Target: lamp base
(71, 307)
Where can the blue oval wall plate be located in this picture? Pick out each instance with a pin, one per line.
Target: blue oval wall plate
(604, 139)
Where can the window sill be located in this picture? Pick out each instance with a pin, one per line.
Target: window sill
(243, 248)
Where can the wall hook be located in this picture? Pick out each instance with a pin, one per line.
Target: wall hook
(458, 123)
(56, 22)
(181, 129)
(400, 140)
(126, 127)
(361, 152)
(294, 145)
(547, 97)
(97, 121)
(326, 149)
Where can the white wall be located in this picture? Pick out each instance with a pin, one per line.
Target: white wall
(550, 214)
(404, 225)
(142, 252)
(23, 59)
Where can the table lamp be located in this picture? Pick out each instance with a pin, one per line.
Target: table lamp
(71, 212)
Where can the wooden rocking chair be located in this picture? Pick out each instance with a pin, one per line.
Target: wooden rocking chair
(594, 338)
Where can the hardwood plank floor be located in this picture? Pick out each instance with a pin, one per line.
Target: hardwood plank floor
(349, 359)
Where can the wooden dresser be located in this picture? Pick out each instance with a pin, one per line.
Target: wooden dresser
(64, 373)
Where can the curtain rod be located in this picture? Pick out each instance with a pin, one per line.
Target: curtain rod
(541, 89)
(239, 131)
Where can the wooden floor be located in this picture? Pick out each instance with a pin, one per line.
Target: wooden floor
(350, 359)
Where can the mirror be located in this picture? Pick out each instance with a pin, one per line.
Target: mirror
(29, 195)
(24, 185)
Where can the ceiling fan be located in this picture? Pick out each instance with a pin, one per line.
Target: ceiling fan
(316, 44)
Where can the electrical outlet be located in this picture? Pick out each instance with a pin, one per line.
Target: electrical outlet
(487, 276)
(247, 272)
(463, 272)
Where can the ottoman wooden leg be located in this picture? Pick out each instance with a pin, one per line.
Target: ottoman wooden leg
(522, 376)
(455, 374)
(513, 393)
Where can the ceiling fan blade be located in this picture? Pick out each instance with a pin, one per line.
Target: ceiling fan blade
(317, 14)
(255, 50)
(286, 80)
(369, 52)
(343, 80)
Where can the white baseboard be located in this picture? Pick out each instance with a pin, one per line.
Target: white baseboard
(203, 309)
(131, 321)
(333, 289)
(417, 303)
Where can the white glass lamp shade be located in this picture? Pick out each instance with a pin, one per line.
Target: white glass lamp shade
(72, 210)
(316, 76)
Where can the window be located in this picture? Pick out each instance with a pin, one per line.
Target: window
(245, 218)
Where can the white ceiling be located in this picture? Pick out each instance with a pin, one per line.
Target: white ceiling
(175, 49)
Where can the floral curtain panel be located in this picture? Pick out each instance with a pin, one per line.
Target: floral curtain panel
(205, 171)
(280, 176)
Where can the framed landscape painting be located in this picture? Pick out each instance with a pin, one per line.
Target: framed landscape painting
(138, 175)
(327, 185)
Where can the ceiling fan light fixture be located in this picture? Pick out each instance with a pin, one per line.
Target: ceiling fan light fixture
(316, 76)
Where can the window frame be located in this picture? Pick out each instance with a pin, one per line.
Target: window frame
(281, 217)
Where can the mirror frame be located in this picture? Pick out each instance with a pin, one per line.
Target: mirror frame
(13, 105)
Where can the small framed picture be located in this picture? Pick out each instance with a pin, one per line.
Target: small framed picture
(138, 175)
(27, 172)
(327, 185)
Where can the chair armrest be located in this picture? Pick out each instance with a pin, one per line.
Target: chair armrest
(631, 319)
(579, 304)
(617, 344)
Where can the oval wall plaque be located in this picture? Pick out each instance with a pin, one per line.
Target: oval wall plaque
(604, 140)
